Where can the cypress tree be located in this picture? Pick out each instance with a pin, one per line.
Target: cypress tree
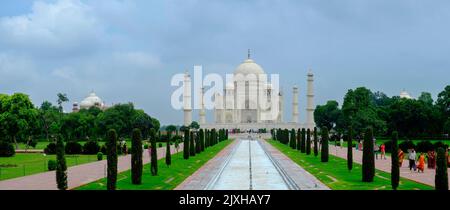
(197, 143)
(111, 159)
(441, 177)
(368, 166)
(186, 144)
(168, 154)
(154, 156)
(324, 150)
(395, 167)
(226, 134)
(206, 138)
(293, 139)
(350, 149)
(61, 166)
(316, 149)
(202, 140)
(308, 142)
(136, 157)
(303, 142)
(299, 136)
(191, 145)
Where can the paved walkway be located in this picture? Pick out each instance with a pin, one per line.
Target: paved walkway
(385, 165)
(77, 175)
(251, 165)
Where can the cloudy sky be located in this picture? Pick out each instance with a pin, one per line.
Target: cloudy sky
(129, 50)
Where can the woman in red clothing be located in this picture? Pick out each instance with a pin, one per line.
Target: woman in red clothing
(383, 151)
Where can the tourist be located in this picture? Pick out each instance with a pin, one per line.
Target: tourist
(431, 157)
(376, 149)
(421, 163)
(341, 142)
(149, 149)
(360, 145)
(448, 158)
(412, 159)
(383, 151)
(125, 148)
(401, 156)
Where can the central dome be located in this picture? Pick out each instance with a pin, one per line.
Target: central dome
(249, 67)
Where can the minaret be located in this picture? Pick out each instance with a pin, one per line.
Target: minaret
(310, 102)
(295, 105)
(187, 100)
(202, 113)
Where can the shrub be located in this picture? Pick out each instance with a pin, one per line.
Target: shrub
(308, 142)
(145, 146)
(440, 144)
(404, 146)
(324, 149)
(350, 149)
(154, 155)
(91, 147)
(6, 149)
(103, 149)
(441, 177)
(61, 166)
(136, 157)
(32, 143)
(368, 163)
(50, 149)
(186, 145)
(160, 144)
(99, 156)
(424, 146)
(51, 165)
(73, 147)
(316, 149)
(395, 167)
(111, 160)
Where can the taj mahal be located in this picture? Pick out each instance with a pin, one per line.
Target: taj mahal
(245, 114)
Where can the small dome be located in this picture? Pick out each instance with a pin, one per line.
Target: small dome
(405, 94)
(249, 67)
(90, 101)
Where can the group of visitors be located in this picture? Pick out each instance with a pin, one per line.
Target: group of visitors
(418, 163)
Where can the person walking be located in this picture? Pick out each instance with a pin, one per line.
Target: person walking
(421, 163)
(431, 157)
(376, 148)
(401, 156)
(383, 151)
(412, 159)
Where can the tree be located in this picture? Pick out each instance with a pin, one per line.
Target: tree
(168, 154)
(324, 149)
(316, 149)
(62, 98)
(171, 128)
(299, 139)
(50, 118)
(303, 142)
(426, 98)
(111, 159)
(61, 167)
(350, 149)
(202, 140)
(186, 144)
(194, 125)
(293, 139)
(327, 115)
(191, 145)
(368, 163)
(197, 143)
(143, 122)
(308, 142)
(441, 177)
(18, 117)
(136, 157)
(395, 167)
(154, 155)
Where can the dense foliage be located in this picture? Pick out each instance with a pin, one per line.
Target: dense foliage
(412, 118)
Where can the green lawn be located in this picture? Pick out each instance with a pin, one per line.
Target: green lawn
(32, 163)
(335, 174)
(168, 177)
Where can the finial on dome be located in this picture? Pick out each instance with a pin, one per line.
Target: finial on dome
(248, 55)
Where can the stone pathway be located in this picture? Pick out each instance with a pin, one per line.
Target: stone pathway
(385, 165)
(77, 175)
(251, 165)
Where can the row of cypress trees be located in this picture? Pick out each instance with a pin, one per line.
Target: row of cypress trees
(195, 143)
(299, 140)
